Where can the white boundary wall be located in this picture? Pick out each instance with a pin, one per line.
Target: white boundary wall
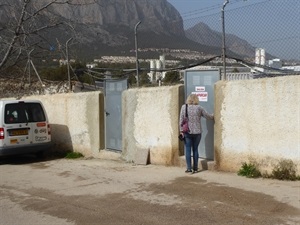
(75, 121)
(150, 123)
(257, 120)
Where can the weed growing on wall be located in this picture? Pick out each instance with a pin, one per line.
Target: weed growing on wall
(285, 170)
(249, 170)
(73, 155)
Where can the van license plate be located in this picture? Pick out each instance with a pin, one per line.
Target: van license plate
(18, 132)
(14, 141)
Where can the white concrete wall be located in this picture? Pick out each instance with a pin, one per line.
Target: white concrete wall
(257, 120)
(150, 121)
(75, 121)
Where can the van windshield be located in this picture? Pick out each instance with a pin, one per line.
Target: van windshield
(23, 113)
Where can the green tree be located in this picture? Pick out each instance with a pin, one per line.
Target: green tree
(144, 79)
(172, 77)
(57, 73)
(235, 70)
(131, 80)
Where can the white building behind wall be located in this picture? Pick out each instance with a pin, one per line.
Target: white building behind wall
(260, 59)
(162, 58)
(292, 68)
(275, 63)
(152, 70)
(156, 67)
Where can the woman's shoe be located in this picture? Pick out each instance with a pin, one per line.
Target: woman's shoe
(188, 171)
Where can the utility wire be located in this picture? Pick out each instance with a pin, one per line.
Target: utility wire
(217, 7)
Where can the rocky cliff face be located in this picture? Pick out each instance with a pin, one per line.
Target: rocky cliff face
(156, 15)
(101, 24)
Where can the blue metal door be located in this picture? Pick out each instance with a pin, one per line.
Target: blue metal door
(113, 109)
(201, 82)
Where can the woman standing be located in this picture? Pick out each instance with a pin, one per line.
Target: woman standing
(193, 137)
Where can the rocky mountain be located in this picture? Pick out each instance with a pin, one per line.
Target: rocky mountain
(156, 15)
(203, 34)
(107, 27)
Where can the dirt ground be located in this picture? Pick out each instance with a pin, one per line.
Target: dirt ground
(98, 191)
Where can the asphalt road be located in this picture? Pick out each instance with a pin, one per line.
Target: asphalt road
(97, 191)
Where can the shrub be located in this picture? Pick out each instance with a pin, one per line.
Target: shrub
(73, 155)
(285, 170)
(249, 170)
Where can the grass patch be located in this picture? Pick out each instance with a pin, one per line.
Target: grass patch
(249, 170)
(73, 155)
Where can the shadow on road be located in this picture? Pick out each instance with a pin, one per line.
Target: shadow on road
(28, 159)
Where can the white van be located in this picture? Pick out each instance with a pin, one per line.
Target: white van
(24, 127)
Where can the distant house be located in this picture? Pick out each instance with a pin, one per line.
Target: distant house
(91, 65)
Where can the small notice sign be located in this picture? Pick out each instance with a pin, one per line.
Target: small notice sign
(202, 95)
(199, 88)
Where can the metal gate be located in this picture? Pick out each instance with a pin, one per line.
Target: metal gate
(113, 108)
(201, 82)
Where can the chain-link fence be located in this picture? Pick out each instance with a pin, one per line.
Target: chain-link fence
(261, 38)
(271, 24)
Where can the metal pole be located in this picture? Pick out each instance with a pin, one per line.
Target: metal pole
(224, 44)
(29, 59)
(67, 56)
(136, 53)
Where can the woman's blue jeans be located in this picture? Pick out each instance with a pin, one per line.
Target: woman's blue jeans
(191, 143)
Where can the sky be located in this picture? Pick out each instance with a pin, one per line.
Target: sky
(272, 24)
(186, 6)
